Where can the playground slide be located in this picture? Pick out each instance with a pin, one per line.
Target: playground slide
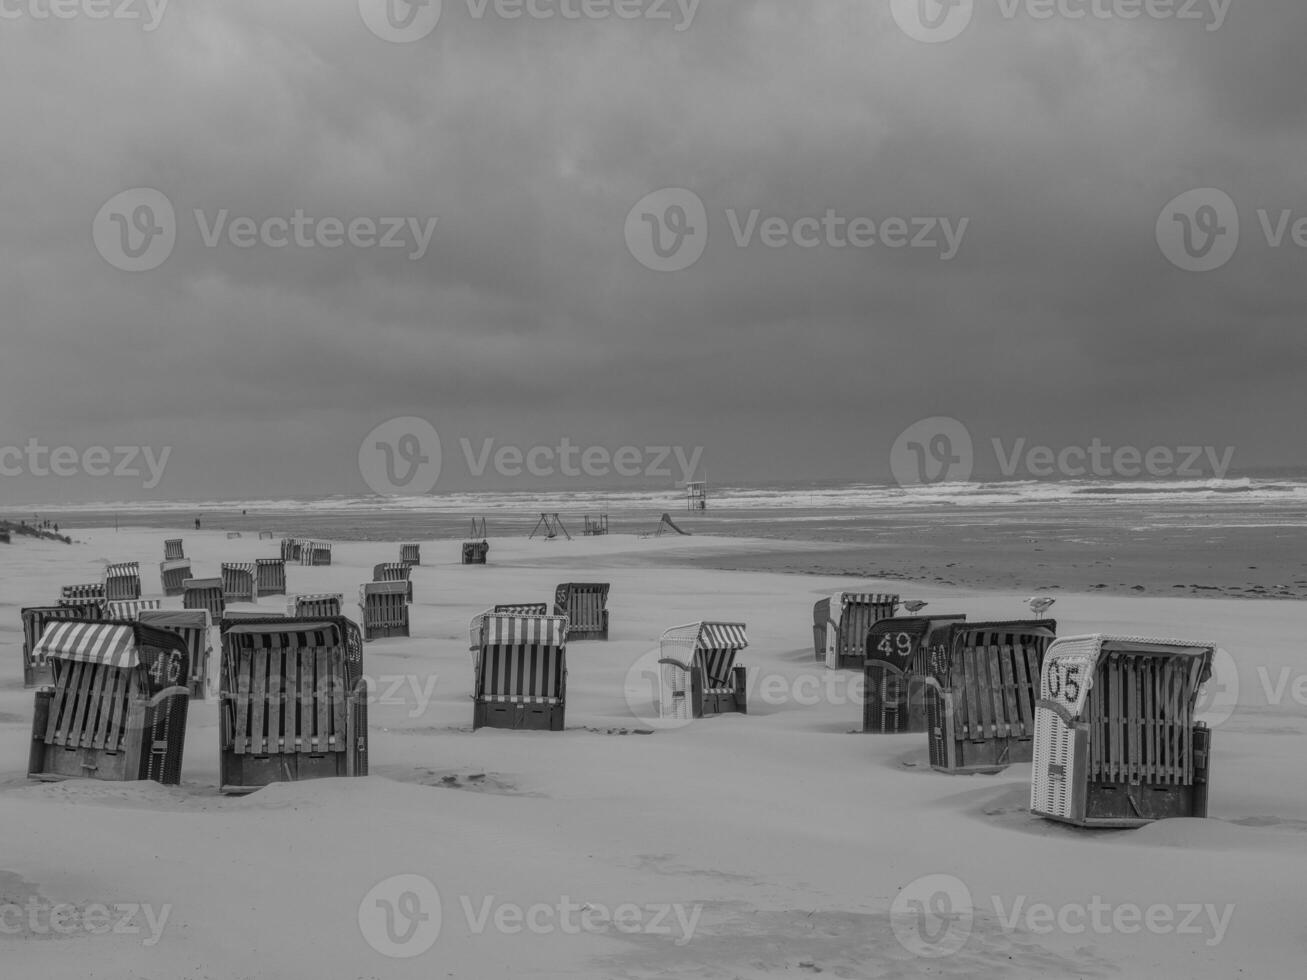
(667, 520)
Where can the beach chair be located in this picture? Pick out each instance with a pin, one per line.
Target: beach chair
(76, 595)
(410, 554)
(35, 619)
(192, 625)
(383, 609)
(291, 549)
(521, 672)
(596, 526)
(129, 610)
(265, 535)
(698, 675)
(322, 604)
(980, 697)
(173, 574)
(585, 604)
(172, 550)
(122, 580)
(294, 702)
(474, 552)
(848, 617)
(897, 671)
(204, 593)
(1116, 741)
(116, 707)
(395, 571)
(233, 535)
(315, 553)
(238, 582)
(269, 576)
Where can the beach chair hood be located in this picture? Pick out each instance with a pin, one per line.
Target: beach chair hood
(1082, 654)
(111, 644)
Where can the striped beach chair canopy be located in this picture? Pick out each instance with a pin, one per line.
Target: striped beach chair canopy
(123, 569)
(285, 633)
(391, 571)
(316, 603)
(71, 594)
(172, 549)
(175, 619)
(523, 659)
(713, 644)
(110, 644)
(129, 609)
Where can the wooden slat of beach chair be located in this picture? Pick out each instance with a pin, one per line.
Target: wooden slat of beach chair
(102, 713)
(321, 700)
(339, 708)
(1025, 692)
(259, 702)
(294, 698)
(1009, 696)
(76, 705)
(1135, 728)
(1147, 711)
(244, 691)
(118, 693)
(273, 700)
(991, 695)
(967, 668)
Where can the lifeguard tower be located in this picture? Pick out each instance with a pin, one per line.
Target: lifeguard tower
(696, 495)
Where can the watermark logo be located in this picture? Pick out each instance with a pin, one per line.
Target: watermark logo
(39, 460)
(1198, 231)
(148, 12)
(932, 916)
(136, 230)
(1219, 696)
(401, 457)
(667, 231)
(934, 450)
(401, 21)
(941, 450)
(400, 917)
(932, 21)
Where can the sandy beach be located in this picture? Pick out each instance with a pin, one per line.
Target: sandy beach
(739, 846)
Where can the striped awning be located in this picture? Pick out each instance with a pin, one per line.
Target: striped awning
(295, 634)
(129, 608)
(722, 636)
(128, 569)
(270, 561)
(505, 629)
(92, 643)
(238, 566)
(92, 590)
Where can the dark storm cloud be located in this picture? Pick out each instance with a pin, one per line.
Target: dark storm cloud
(1059, 142)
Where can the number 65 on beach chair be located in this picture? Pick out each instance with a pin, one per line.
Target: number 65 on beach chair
(521, 672)
(294, 702)
(117, 707)
(698, 675)
(1116, 741)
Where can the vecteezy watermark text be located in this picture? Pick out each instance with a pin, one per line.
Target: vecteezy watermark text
(404, 456)
(39, 460)
(934, 916)
(402, 917)
(137, 230)
(39, 917)
(407, 21)
(667, 231)
(148, 12)
(941, 450)
(937, 21)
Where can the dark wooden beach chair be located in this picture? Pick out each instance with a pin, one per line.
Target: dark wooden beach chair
(315, 553)
(410, 554)
(238, 582)
(269, 576)
(321, 604)
(475, 552)
(172, 550)
(1116, 740)
(980, 698)
(173, 574)
(35, 619)
(292, 549)
(394, 571)
(585, 604)
(848, 618)
(192, 626)
(233, 535)
(265, 535)
(204, 593)
(294, 702)
(122, 580)
(521, 673)
(896, 672)
(698, 673)
(383, 609)
(116, 707)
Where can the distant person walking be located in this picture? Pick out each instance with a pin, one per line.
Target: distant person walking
(197, 523)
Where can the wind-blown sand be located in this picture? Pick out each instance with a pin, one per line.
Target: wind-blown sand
(792, 834)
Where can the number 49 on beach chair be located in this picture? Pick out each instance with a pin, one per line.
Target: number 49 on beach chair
(897, 670)
(294, 702)
(698, 675)
(1116, 741)
(117, 707)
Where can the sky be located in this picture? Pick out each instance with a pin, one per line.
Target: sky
(1037, 163)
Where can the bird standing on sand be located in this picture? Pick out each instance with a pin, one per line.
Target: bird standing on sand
(1039, 605)
(915, 605)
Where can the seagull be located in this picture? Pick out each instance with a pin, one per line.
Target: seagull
(915, 605)
(1039, 605)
